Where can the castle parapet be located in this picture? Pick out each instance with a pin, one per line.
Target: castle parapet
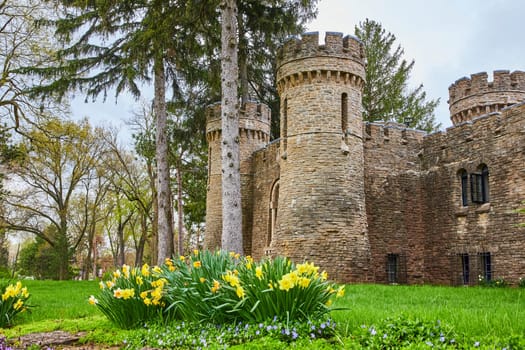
(475, 96)
(253, 117)
(348, 47)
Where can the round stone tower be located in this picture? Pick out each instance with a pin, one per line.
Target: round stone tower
(321, 213)
(475, 96)
(254, 132)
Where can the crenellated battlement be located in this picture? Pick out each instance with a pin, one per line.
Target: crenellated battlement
(336, 45)
(391, 133)
(253, 116)
(475, 96)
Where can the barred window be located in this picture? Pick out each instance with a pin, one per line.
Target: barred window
(465, 268)
(485, 261)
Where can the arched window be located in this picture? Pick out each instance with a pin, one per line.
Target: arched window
(463, 176)
(344, 112)
(274, 204)
(479, 185)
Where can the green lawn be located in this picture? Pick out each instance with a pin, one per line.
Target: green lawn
(473, 312)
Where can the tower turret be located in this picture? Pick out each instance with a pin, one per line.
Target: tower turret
(475, 96)
(254, 132)
(321, 215)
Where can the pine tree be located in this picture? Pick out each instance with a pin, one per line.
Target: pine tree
(386, 95)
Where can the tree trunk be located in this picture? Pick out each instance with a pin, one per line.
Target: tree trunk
(180, 212)
(243, 63)
(165, 211)
(155, 215)
(231, 179)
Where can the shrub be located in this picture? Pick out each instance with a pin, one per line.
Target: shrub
(133, 296)
(14, 300)
(223, 287)
(216, 287)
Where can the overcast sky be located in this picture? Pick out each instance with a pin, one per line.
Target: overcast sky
(448, 39)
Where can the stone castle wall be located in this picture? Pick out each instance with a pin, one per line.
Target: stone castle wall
(498, 141)
(350, 195)
(254, 133)
(393, 198)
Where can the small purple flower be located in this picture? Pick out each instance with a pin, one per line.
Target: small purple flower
(268, 328)
(261, 325)
(476, 344)
(257, 332)
(323, 326)
(373, 331)
(294, 335)
(312, 335)
(442, 339)
(429, 343)
(385, 336)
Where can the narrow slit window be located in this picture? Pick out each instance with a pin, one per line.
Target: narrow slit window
(344, 113)
(464, 187)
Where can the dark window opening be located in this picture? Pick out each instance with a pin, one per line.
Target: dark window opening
(465, 268)
(479, 186)
(464, 187)
(392, 267)
(485, 261)
(274, 205)
(344, 113)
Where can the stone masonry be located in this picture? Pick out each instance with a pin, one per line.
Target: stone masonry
(378, 202)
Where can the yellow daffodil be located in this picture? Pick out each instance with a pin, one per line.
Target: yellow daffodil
(18, 304)
(259, 272)
(145, 270)
(286, 283)
(303, 282)
(128, 293)
(144, 295)
(116, 274)
(168, 261)
(329, 303)
(182, 258)
(324, 276)
(110, 284)
(240, 292)
(125, 271)
(196, 264)
(202, 279)
(139, 280)
(147, 301)
(101, 285)
(195, 252)
(157, 270)
(92, 300)
(171, 268)
(216, 286)
(340, 292)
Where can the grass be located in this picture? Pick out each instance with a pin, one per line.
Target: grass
(473, 312)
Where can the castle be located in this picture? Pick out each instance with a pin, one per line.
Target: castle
(378, 202)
